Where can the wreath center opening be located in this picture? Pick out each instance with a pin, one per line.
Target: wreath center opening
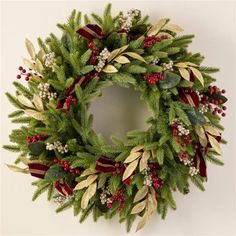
(118, 111)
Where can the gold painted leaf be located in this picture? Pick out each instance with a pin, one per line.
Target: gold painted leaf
(138, 207)
(38, 103)
(215, 144)
(184, 73)
(181, 65)
(137, 148)
(30, 48)
(141, 193)
(88, 172)
(117, 52)
(130, 169)
(35, 114)
(144, 160)
(41, 54)
(85, 183)
(151, 204)
(133, 156)
(17, 169)
(198, 74)
(36, 78)
(90, 191)
(24, 160)
(122, 60)
(135, 56)
(25, 101)
(109, 69)
(173, 28)
(142, 222)
(28, 63)
(211, 130)
(157, 27)
(191, 64)
(201, 134)
(38, 66)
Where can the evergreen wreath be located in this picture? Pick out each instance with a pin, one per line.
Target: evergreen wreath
(135, 177)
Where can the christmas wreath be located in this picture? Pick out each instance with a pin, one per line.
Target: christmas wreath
(131, 178)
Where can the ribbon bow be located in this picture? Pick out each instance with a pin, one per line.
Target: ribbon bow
(91, 31)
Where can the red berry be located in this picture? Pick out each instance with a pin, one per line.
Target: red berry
(117, 164)
(214, 113)
(183, 144)
(90, 44)
(219, 111)
(18, 76)
(224, 108)
(20, 68)
(190, 141)
(77, 171)
(65, 168)
(178, 140)
(71, 170)
(26, 78)
(223, 91)
(55, 160)
(24, 70)
(223, 114)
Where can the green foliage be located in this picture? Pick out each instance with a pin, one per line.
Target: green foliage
(74, 73)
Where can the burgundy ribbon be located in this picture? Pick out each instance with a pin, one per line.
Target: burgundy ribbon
(189, 96)
(107, 165)
(38, 170)
(63, 187)
(199, 162)
(91, 31)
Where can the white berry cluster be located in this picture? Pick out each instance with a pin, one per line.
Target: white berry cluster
(45, 91)
(180, 127)
(61, 199)
(127, 21)
(57, 145)
(49, 59)
(147, 177)
(103, 56)
(104, 196)
(155, 61)
(193, 170)
(203, 108)
(168, 66)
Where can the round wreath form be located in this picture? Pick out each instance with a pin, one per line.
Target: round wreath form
(131, 178)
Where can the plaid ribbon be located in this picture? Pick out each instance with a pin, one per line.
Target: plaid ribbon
(91, 31)
(38, 170)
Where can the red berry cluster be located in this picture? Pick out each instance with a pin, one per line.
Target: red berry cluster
(184, 155)
(66, 166)
(153, 78)
(156, 181)
(118, 170)
(118, 197)
(69, 100)
(36, 138)
(219, 108)
(150, 40)
(95, 52)
(23, 72)
(184, 139)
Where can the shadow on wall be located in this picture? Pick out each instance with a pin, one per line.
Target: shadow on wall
(117, 111)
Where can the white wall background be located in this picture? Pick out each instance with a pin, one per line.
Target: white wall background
(208, 213)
